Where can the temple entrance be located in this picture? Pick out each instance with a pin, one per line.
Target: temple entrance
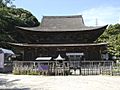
(75, 62)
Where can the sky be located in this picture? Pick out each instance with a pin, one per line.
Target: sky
(100, 12)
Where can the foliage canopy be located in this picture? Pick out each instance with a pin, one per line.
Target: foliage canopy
(112, 37)
(11, 17)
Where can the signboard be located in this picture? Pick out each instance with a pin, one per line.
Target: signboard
(68, 54)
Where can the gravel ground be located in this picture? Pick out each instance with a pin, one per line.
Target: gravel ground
(25, 82)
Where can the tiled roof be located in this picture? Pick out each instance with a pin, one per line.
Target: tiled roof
(62, 23)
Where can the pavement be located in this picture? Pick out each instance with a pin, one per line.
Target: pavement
(32, 82)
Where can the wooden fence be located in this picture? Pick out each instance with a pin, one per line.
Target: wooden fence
(85, 68)
(94, 68)
(116, 69)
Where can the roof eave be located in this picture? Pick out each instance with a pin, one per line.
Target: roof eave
(60, 30)
(56, 45)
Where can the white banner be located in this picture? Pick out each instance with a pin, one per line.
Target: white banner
(1, 60)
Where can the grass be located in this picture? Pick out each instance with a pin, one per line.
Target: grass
(25, 70)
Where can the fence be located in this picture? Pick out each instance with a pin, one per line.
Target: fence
(116, 69)
(29, 68)
(84, 68)
(94, 68)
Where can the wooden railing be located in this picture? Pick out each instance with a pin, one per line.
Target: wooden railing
(54, 68)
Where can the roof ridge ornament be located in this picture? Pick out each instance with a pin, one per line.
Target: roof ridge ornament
(59, 58)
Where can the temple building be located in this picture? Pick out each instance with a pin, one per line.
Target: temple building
(66, 36)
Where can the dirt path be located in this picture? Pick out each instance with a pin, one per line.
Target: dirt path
(24, 82)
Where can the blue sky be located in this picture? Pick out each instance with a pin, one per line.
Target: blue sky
(105, 11)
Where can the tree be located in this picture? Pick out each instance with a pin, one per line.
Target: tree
(11, 17)
(112, 37)
(6, 3)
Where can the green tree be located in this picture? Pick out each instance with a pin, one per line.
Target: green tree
(112, 37)
(11, 17)
(5, 3)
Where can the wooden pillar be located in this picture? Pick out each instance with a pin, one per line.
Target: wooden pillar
(48, 67)
(63, 68)
(35, 54)
(69, 66)
(23, 54)
(55, 67)
(52, 66)
(79, 67)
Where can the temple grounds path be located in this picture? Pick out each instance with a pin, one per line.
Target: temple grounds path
(25, 82)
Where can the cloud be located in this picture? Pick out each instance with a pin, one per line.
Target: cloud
(103, 15)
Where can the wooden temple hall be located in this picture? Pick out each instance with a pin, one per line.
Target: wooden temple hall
(60, 42)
